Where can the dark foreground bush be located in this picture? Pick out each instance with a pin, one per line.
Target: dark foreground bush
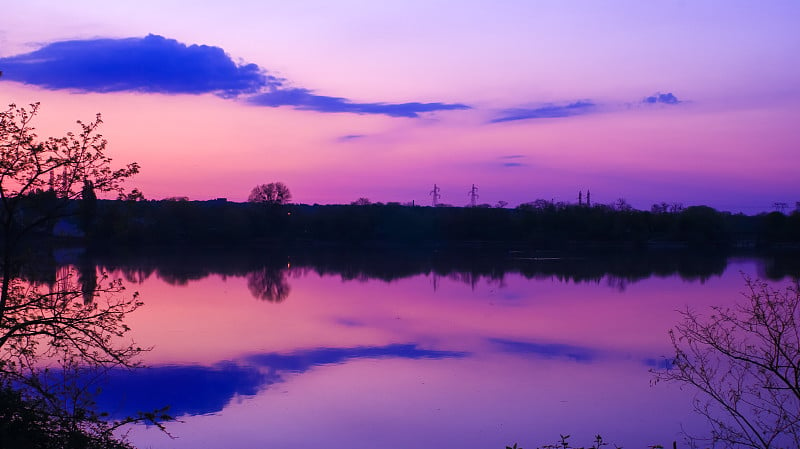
(27, 424)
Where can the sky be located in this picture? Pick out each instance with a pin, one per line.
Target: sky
(694, 102)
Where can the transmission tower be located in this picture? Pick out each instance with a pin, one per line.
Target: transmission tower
(435, 194)
(473, 196)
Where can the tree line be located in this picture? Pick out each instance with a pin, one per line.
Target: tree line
(540, 224)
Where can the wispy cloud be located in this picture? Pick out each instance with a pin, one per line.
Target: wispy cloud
(548, 111)
(349, 137)
(305, 99)
(576, 108)
(658, 97)
(513, 160)
(155, 64)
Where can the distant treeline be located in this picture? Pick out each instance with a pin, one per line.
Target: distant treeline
(539, 225)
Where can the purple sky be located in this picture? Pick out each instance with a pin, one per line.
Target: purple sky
(693, 102)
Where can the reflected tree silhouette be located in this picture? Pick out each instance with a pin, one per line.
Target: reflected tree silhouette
(269, 284)
(87, 278)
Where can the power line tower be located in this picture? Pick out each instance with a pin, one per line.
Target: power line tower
(435, 194)
(473, 196)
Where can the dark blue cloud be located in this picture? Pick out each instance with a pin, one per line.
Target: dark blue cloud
(148, 64)
(304, 99)
(514, 164)
(658, 97)
(194, 390)
(155, 64)
(546, 350)
(549, 111)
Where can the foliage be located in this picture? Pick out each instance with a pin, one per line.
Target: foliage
(43, 322)
(38, 178)
(62, 164)
(363, 201)
(744, 363)
(27, 424)
(272, 193)
(541, 224)
(53, 335)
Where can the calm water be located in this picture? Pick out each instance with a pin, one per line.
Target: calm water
(422, 350)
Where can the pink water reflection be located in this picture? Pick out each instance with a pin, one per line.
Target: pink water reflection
(522, 360)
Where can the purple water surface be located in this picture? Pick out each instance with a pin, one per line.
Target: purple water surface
(419, 361)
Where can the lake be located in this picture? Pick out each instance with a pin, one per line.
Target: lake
(423, 349)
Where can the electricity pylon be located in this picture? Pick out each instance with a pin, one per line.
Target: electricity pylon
(435, 194)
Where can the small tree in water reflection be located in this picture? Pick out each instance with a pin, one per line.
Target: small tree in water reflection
(269, 284)
(744, 362)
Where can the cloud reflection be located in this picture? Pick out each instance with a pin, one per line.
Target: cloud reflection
(546, 350)
(195, 389)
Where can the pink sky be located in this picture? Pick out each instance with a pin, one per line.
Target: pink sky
(729, 139)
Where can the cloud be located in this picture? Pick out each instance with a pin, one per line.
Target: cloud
(150, 64)
(658, 97)
(513, 160)
(550, 111)
(155, 64)
(305, 99)
(349, 137)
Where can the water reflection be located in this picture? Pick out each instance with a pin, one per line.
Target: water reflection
(546, 350)
(269, 284)
(268, 273)
(196, 390)
(464, 348)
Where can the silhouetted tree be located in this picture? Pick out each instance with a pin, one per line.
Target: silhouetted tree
(660, 208)
(132, 197)
(39, 324)
(744, 363)
(622, 205)
(780, 206)
(88, 206)
(28, 166)
(272, 193)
